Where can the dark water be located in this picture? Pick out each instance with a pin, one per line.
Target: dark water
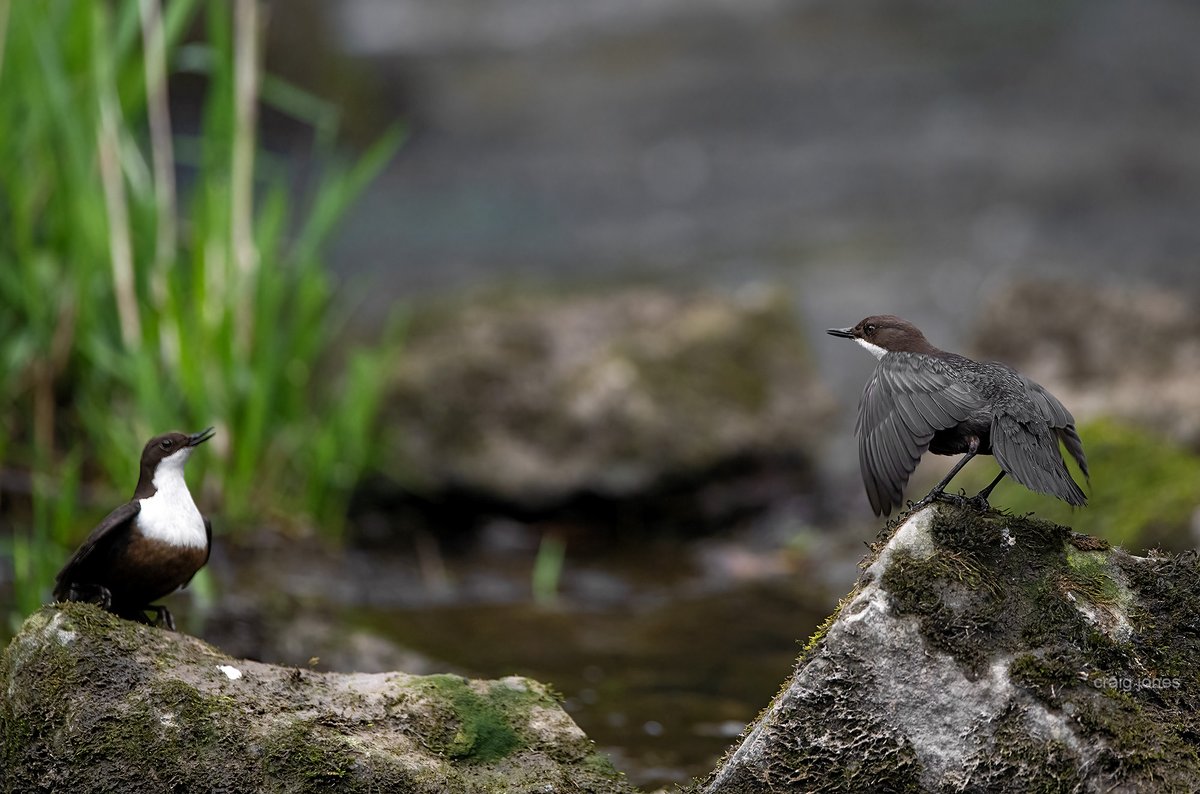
(664, 688)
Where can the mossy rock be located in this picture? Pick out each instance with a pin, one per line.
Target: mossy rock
(95, 703)
(530, 399)
(987, 652)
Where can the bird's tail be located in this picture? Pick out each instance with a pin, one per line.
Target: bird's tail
(1028, 452)
(1074, 445)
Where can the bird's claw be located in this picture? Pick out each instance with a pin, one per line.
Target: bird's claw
(96, 594)
(957, 500)
(979, 502)
(163, 619)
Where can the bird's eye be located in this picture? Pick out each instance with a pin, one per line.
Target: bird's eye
(166, 443)
(870, 329)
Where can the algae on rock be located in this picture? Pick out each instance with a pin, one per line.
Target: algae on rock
(95, 703)
(987, 652)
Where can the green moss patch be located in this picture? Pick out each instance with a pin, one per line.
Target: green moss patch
(1016, 762)
(1090, 576)
(482, 726)
(1046, 674)
(306, 750)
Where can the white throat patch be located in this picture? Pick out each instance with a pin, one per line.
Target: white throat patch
(874, 350)
(170, 515)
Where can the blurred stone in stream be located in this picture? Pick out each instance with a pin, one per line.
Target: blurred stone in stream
(534, 399)
(1124, 353)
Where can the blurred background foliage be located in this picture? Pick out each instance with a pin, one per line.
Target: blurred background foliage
(153, 278)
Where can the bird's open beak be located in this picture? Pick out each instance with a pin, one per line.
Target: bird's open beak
(202, 436)
(845, 333)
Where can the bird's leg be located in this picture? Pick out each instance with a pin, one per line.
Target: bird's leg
(939, 491)
(164, 620)
(980, 500)
(97, 594)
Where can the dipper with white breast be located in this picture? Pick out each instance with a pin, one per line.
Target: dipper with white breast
(923, 399)
(148, 547)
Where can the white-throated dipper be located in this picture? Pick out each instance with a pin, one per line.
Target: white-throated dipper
(922, 398)
(148, 547)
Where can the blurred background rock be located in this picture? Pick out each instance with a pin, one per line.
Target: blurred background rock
(614, 235)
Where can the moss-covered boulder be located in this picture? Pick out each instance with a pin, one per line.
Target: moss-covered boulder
(95, 703)
(985, 652)
(530, 399)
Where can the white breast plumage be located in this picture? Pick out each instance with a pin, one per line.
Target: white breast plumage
(170, 515)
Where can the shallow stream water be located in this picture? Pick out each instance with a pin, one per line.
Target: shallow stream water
(663, 688)
(663, 648)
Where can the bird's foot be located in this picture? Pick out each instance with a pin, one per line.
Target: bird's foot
(979, 503)
(96, 594)
(958, 499)
(162, 616)
(163, 619)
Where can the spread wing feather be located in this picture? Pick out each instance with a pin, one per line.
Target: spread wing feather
(1025, 444)
(1060, 420)
(84, 554)
(908, 399)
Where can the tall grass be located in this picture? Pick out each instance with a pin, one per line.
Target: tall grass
(129, 306)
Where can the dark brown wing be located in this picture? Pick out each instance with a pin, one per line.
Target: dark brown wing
(95, 540)
(909, 397)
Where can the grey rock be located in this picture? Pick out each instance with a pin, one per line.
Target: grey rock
(531, 399)
(985, 652)
(94, 703)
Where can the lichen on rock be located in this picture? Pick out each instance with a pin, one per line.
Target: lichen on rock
(994, 653)
(95, 703)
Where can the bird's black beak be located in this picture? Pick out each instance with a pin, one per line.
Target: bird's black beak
(202, 436)
(845, 333)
